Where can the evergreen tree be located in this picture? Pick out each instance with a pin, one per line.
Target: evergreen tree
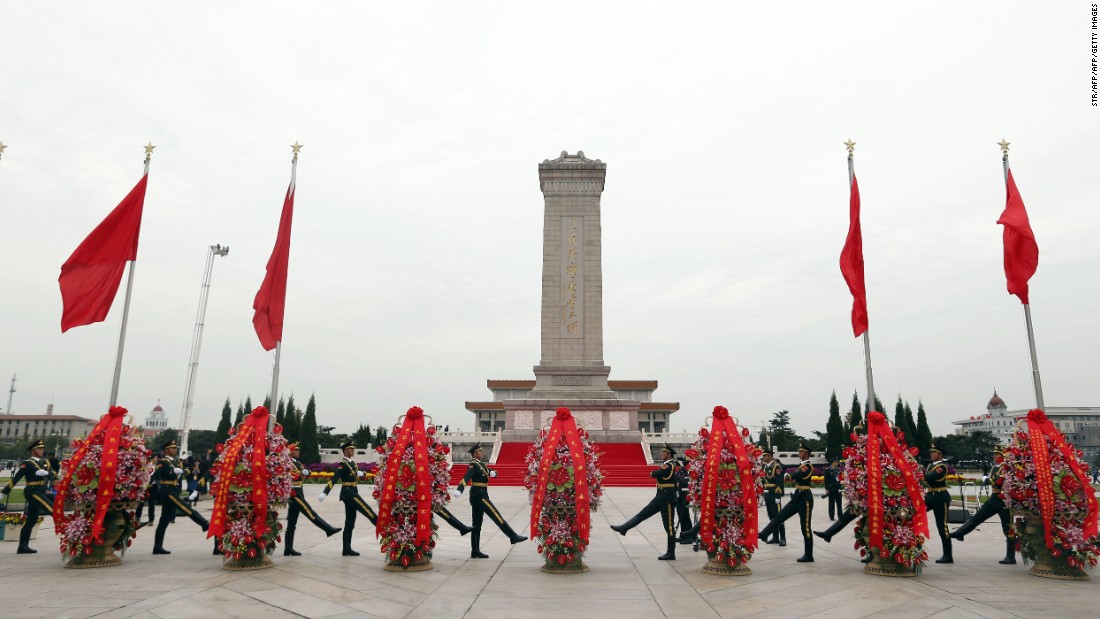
(834, 430)
(290, 406)
(762, 440)
(783, 437)
(267, 403)
(878, 406)
(924, 433)
(855, 415)
(910, 425)
(899, 418)
(248, 405)
(240, 416)
(280, 413)
(380, 435)
(222, 433)
(292, 426)
(362, 436)
(311, 453)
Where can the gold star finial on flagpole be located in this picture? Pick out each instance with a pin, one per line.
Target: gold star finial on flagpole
(296, 148)
(1004, 146)
(148, 151)
(851, 146)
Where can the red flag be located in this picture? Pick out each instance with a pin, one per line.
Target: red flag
(90, 277)
(851, 265)
(271, 298)
(1021, 250)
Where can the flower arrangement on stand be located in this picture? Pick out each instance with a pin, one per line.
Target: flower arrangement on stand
(11, 522)
(725, 482)
(1053, 506)
(564, 484)
(414, 473)
(251, 483)
(102, 483)
(883, 487)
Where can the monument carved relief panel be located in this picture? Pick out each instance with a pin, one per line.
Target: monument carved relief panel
(619, 421)
(525, 420)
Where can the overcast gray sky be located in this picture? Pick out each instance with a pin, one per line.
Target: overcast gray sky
(416, 255)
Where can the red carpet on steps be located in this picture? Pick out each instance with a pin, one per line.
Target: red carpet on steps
(623, 464)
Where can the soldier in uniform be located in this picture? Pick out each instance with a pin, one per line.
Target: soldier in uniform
(938, 500)
(994, 505)
(832, 489)
(348, 476)
(664, 502)
(683, 514)
(298, 504)
(802, 503)
(773, 495)
(477, 477)
(36, 473)
(167, 478)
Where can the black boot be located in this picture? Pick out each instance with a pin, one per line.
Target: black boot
(808, 553)
(25, 542)
(475, 545)
(199, 520)
(512, 536)
(670, 553)
(454, 522)
(217, 543)
(158, 543)
(766, 532)
(621, 529)
(1010, 552)
(348, 552)
(946, 558)
(690, 536)
(288, 549)
(960, 532)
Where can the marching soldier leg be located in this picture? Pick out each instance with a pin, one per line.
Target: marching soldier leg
(167, 513)
(349, 527)
(790, 509)
(292, 511)
(938, 506)
(36, 504)
(495, 516)
(475, 535)
(449, 518)
(313, 517)
(652, 508)
(990, 507)
(1010, 541)
(804, 518)
(668, 521)
(845, 519)
(362, 507)
(189, 512)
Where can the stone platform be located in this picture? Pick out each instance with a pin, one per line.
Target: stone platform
(625, 578)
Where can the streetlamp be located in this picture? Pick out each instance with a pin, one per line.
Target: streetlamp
(196, 344)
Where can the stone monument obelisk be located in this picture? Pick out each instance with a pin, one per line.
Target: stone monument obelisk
(571, 371)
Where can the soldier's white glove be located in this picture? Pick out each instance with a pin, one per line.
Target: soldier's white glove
(306, 472)
(321, 497)
(455, 493)
(492, 473)
(177, 471)
(194, 495)
(42, 472)
(362, 474)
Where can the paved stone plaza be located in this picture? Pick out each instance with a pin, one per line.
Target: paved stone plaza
(625, 578)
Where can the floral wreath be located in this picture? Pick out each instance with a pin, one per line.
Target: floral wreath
(560, 501)
(414, 473)
(725, 481)
(111, 464)
(251, 482)
(1046, 479)
(895, 522)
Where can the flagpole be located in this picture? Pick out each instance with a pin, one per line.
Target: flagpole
(866, 333)
(126, 306)
(1027, 310)
(279, 344)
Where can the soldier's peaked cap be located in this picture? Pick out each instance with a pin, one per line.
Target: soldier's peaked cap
(347, 443)
(476, 447)
(36, 445)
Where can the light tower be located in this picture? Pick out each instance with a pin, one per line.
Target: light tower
(196, 344)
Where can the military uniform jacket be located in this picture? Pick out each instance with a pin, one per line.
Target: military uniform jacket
(165, 478)
(666, 479)
(997, 478)
(832, 479)
(773, 478)
(802, 476)
(347, 475)
(296, 477)
(29, 469)
(936, 476)
(477, 477)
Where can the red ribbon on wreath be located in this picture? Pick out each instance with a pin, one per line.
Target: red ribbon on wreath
(253, 431)
(564, 428)
(879, 430)
(723, 430)
(1039, 429)
(109, 432)
(412, 433)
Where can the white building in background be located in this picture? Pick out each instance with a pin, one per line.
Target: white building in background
(1079, 424)
(14, 428)
(156, 421)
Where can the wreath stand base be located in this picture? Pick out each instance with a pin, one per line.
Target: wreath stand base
(721, 568)
(576, 566)
(1047, 565)
(879, 566)
(417, 565)
(259, 562)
